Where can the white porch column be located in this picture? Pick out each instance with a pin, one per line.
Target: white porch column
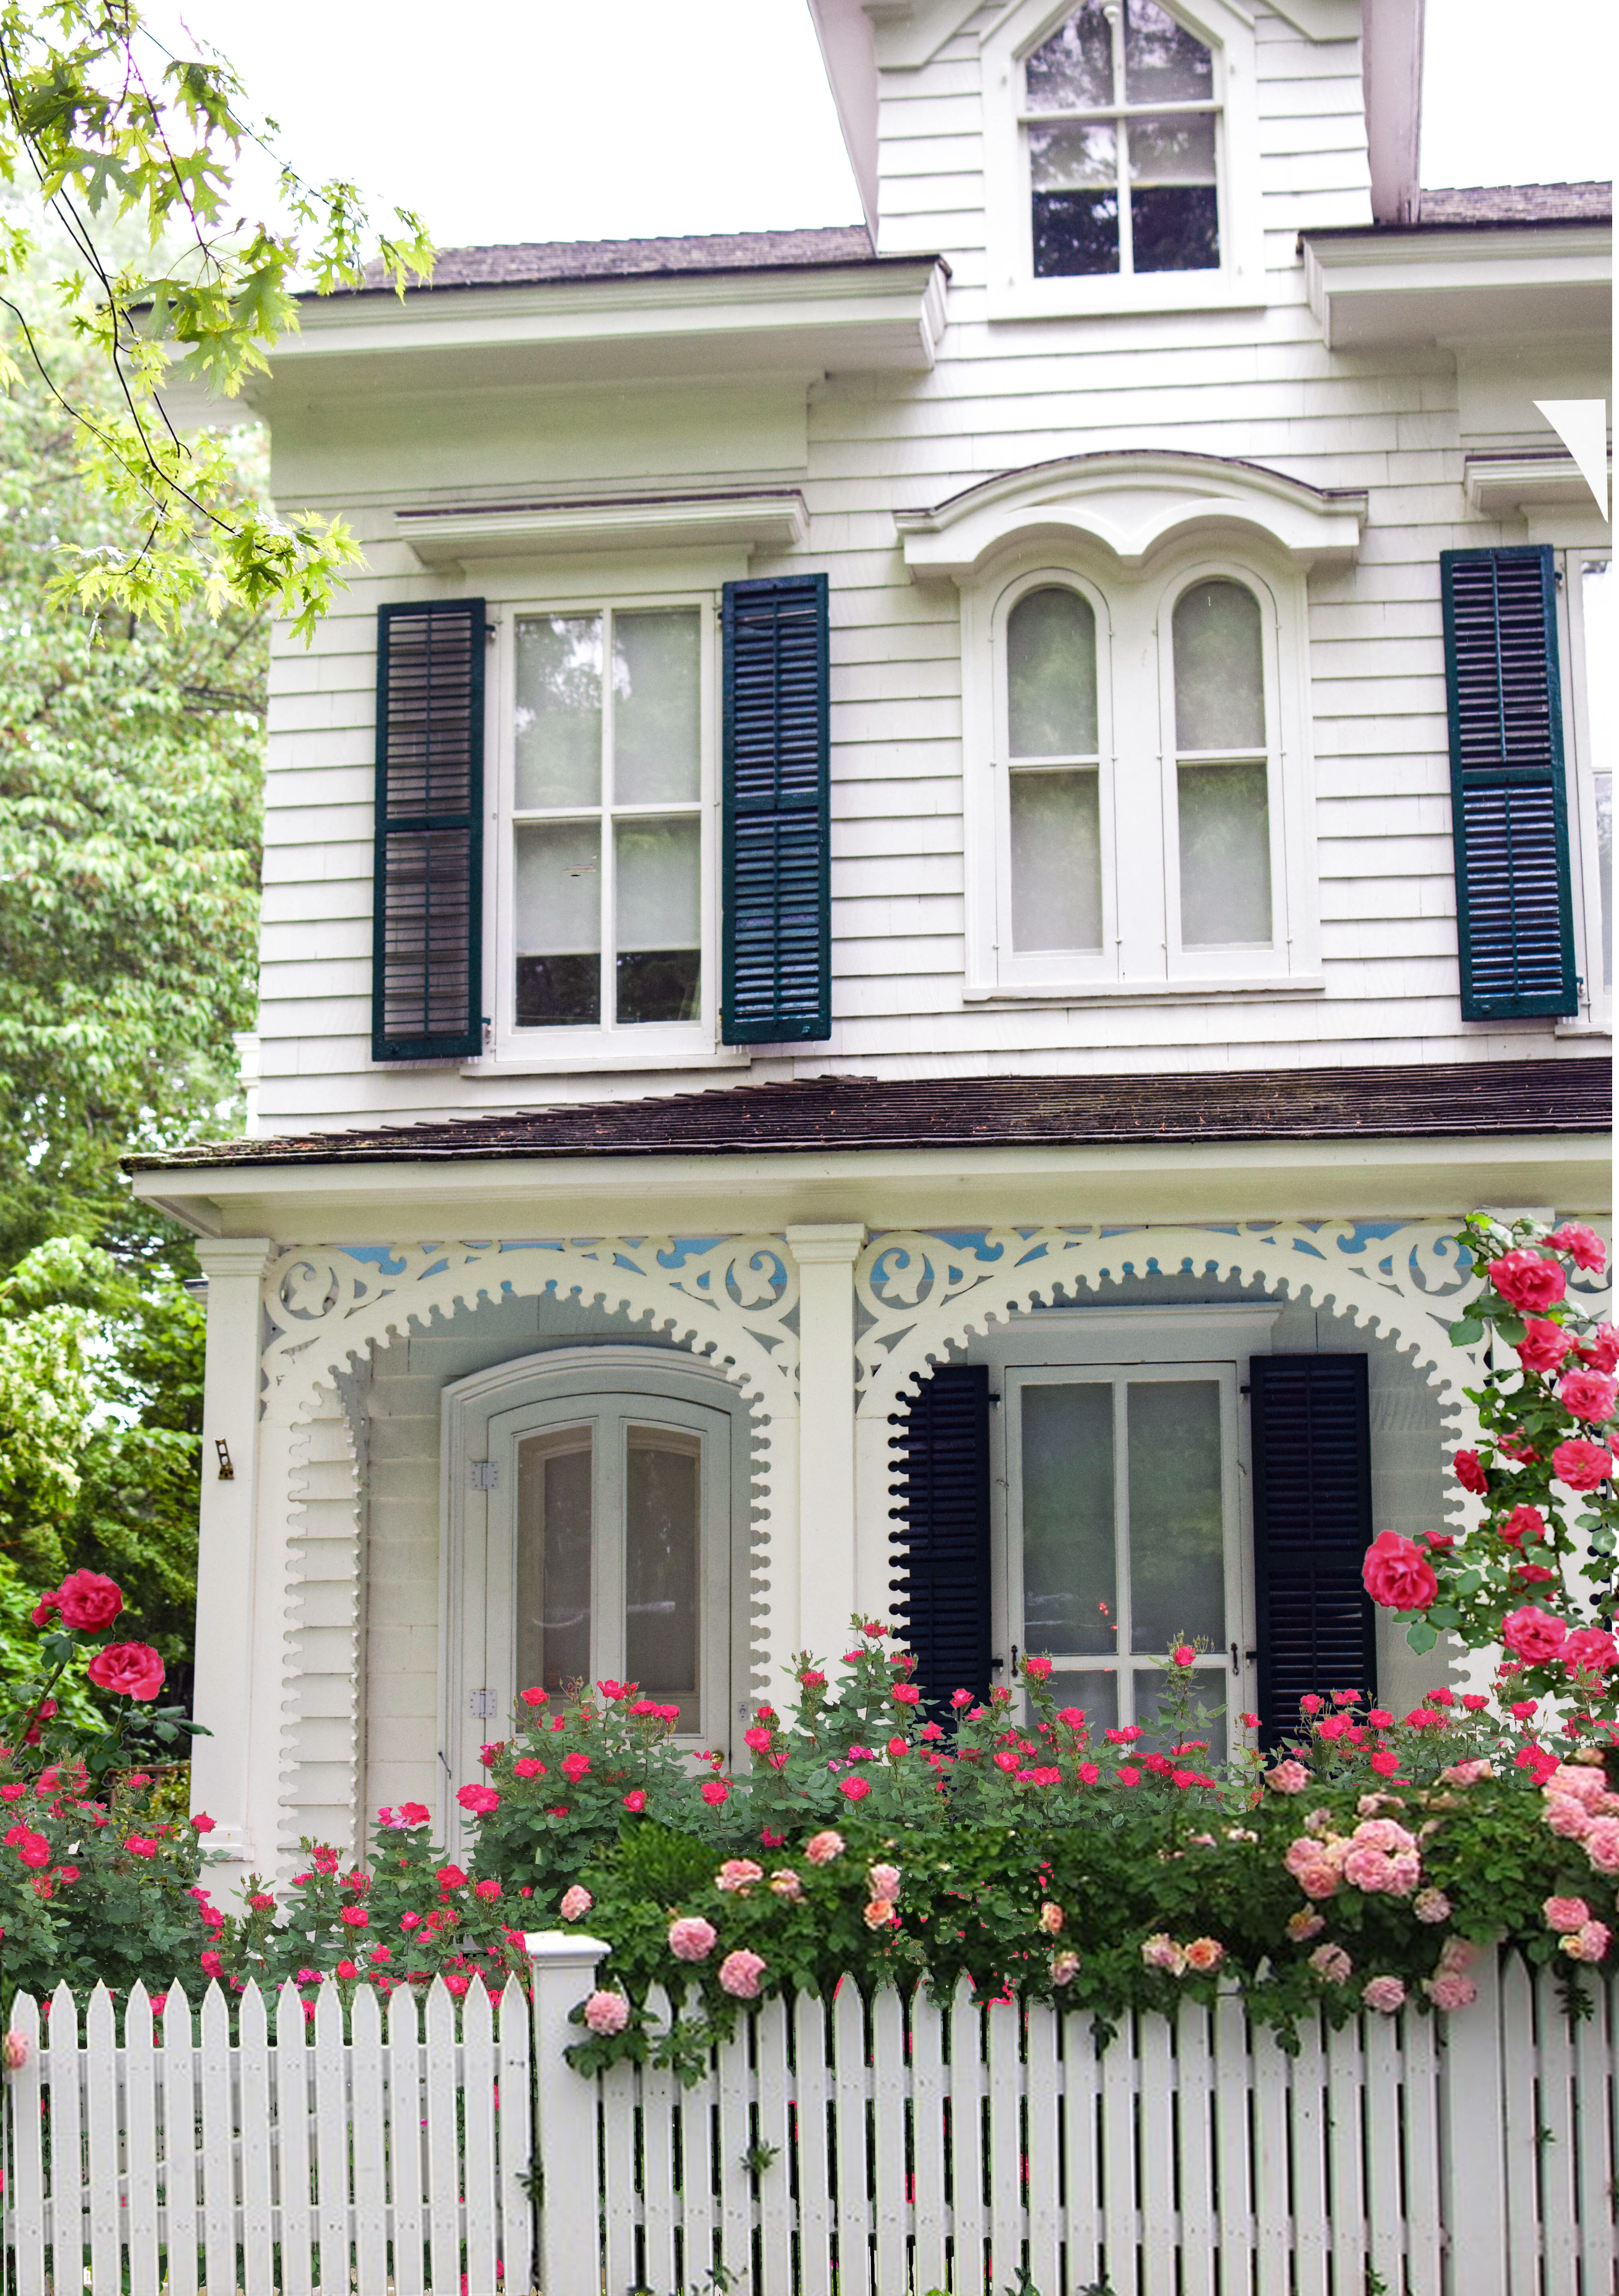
(827, 1573)
(225, 1548)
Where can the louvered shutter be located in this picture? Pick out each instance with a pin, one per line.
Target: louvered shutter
(1311, 1528)
(1514, 916)
(944, 1547)
(777, 972)
(427, 936)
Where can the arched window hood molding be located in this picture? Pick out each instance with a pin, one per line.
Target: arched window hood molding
(1132, 504)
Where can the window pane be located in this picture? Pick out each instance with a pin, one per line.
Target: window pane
(1095, 1691)
(1225, 855)
(659, 906)
(1172, 150)
(655, 708)
(558, 717)
(559, 923)
(554, 1555)
(1597, 595)
(1605, 865)
(661, 1567)
(1219, 688)
(1163, 62)
(1063, 158)
(1177, 1515)
(1076, 233)
(1056, 860)
(1074, 67)
(1050, 675)
(1210, 1687)
(1175, 228)
(1069, 1574)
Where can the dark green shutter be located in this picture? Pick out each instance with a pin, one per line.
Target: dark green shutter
(1514, 911)
(427, 939)
(944, 1593)
(1311, 1528)
(777, 932)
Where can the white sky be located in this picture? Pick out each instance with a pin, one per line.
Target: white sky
(618, 118)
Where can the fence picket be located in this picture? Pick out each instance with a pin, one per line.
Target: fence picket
(1195, 2147)
(1472, 2136)
(330, 2137)
(1524, 2153)
(516, 2132)
(292, 2183)
(774, 2130)
(1044, 2174)
(1156, 2152)
(478, 2124)
(24, 2120)
(696, 2110)
(405, 2141)
(1274, 2195)
(219, 2146)
(927, 2078)
(1561, 2239)
(1307, 2108)
(659, 2127)
(141, 2142)
(966, 2136)
(733, 2084)
(443, 2144)
(66, 2156)
(1418, 2134)
(253, 2105)
(618, 2116)
(1362, 2070)
(1596, 2045)
(1234, 2143)
(182, 2143)
(1121, 2220)
(102, 2148)
(1003, 2068)
(890, 2204)
(815, 2154)
(367, 2109)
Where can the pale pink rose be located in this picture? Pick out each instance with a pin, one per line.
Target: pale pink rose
(739, 1974)
(1319, 1821)
(1467, 1773)
(738, 1874)
(1451, 1991)
(883, 1882)
(1051, 1919)
(1162, 1952)
(1287, 1777)
(1580, 1783)
(1456, 1954)
(606, 2013)
(1332, 1965)
(1064, 1968)
(1316, 1866)
(14, 2051)
(1384, 1994)
(1567, 1817)
(1431, 1906)
(1565, 1915)
(691, 1937)
(1203, 1954)
(821, 1849)
(1588, 1943)
(785, 1883)
(1306, 1924)
(879, 1914)
(575, 1904)
(1602, 1845)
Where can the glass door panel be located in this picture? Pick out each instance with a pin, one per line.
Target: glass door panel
(662, 1563)
(555, 1511)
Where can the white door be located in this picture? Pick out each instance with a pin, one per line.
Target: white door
(1123, 1530)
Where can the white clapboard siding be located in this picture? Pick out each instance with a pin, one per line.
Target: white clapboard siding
(194, 2151)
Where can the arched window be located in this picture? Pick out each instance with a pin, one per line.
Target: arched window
(1053, 760)
(1222, 767)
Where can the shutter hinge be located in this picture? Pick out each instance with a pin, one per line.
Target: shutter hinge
(1245, 1390)
(486, 1474)
(993, 1398)
(491, 632)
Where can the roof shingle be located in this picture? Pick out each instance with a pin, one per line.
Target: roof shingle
(538, 263)
(1519, 203)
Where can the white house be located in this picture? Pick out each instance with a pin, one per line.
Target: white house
(927, 867)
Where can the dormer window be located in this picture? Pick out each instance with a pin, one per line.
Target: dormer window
(1122, 132)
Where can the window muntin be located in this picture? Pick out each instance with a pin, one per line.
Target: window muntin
(1121, 120)
(606, 863)
(1053, 771)
(1221, 766)
(1596, 727)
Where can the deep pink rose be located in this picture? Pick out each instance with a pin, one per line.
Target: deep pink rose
(1533, 1634)
(1469, 1472)
(1397, 1574)
(127, 1670)
(87, 1602)
(1590, 1651)
(1589, 1395)
(1583, 1245)
(1600, 1351)
(478, 1799)
(1582, 1464)
(1527, 1281)
(714, 1792)
(1543, 1345)
(1036, 1668)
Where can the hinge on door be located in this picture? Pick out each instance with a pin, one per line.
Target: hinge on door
(481, 1705)
(486, 1474)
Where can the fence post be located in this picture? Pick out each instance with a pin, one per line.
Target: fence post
(563, 1965)
(1472, 2133)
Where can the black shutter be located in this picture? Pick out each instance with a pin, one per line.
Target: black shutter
(944, 1544)
(1514, 916)
(1311, 1528)
(427, 928)
(777, 983)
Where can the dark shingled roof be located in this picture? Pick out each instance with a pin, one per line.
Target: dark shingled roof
(544, 262)
(1480, 1100)
(1520, 204)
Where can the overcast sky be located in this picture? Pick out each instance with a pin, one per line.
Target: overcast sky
(619, 118)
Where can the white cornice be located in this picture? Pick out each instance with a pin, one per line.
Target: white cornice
(1131, 503)
(1505, 483)
(767, 517)
(1400, 288)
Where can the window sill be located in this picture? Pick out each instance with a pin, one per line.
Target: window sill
(1201, 991)
(594, 1063)
(1604, 1029)
(1153, 291)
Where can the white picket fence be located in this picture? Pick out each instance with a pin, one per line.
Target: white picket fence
(846, 2148)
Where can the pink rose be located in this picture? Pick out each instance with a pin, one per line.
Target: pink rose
(576, 1767)
(1306, 1924)
(1184, 1654)
(139, 1846)
(533, 1697)
(1583, 1245)
(714, 1792)
(1590, 1942)
(478, 1799)
(528, 1766)
(635, 1799)
(1527, 1281)
(1523, 1523)
(1384, 1994)
(1582, 1464)
(1565, 1915)
(1590, 1651)
(14, 2052)
(1543, 1345)
(355, 1916)
(785, 1883)
(1469, 1472)
(1064, 1968)
(1602, 1845)
(1051, 1919)
(1288, 1777)
(879, 1914)
(575, 1904)
(1162, 1952)
(1036, 1668)
(1600, 1351)
(1431, 1906)
(1569, 1819)
(856, 1789)
(1450, 1990)
(87, 1603)
(821, 1849)
(906, 1693)
(739, 1974)
(1584, 1782)
(1589, 1395)
(1533, 1634)
(738, 1874)
(691, 1937)
(606, 2013)
(883, 1882)
(1397, 1574)
(33, 1849)
(1203, 1954)
(127, 1670)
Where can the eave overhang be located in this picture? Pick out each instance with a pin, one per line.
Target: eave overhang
(1394, 289)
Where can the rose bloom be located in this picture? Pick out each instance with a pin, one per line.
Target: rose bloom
(127, 1670)
(1450, 1990)
(14, 2052)
(1064, 1968)
(785, 1883)
(87, 1602)
(479, 1799)
(1203, 1954)
(1565, 1915)
(1470, 1473)
(528, 1766)
(1533, 1634)
(1602, 1845)
(576, 1903)
(1184, 1654)
(1523, 1523)
(739, 1974)
(606, 2013)
(1590, 1651)
(880, 1913)
(1397, 1574)
(1583, 1245)
(1289, 1777)
(1162, 1952)
(738, 1874)
(691, 1937)
(34, 1851)
(1467, 1773)
(884, 1881)
(1526, 1280)
(856, 1789)
(1306, 1924)
(1384, 1994)
(1588, 1943)
(1582, 1464)
(1431, 1906)
(635, 1799)
(1601, 1350)
(757, 1739)
(1589, 1395)
(576, 1767)
(1051, 1919)
(821, 1849)
(906, 1693)
(533, 1697)
(1543, 1345)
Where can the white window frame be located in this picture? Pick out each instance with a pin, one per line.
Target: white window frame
(1142, 956)
(484, 1419)
(609, 1044)
(1013, 291)
(1580, 767)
